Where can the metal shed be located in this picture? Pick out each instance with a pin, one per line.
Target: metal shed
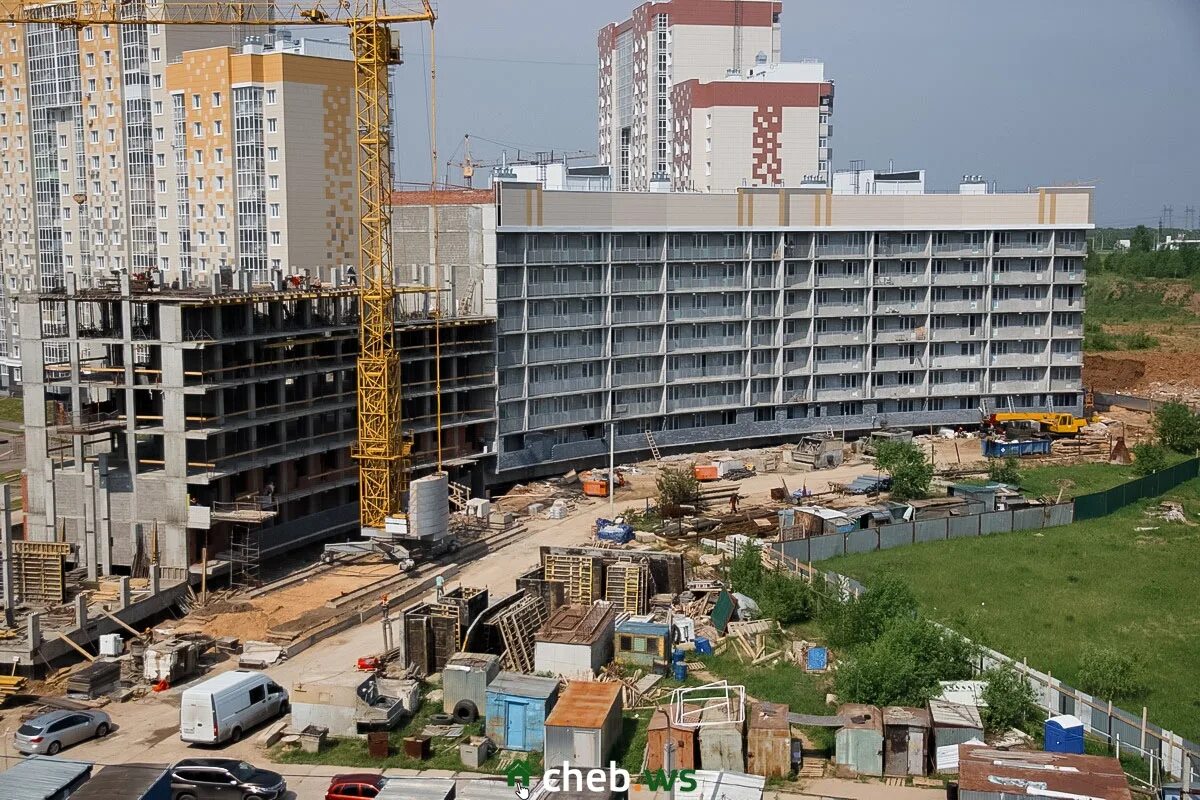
(768, 741)
(954, 723)
(465, 679)
(905, 741)
(642, 643)
(43, 778)
(584, 725)
(987, 774)
(669, 745)
(859, 743)
(576, 641)
(722, 744)
(127, 782)
(517, 706)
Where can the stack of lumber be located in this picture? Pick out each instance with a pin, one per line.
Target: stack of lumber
(95, 679)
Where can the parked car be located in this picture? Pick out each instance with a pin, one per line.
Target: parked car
(222, 708)
(224, 779)
(354, 786)
(48, 733)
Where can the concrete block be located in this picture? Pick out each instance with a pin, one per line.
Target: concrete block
(81, 610)
(123, 596)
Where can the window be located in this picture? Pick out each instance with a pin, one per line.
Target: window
(273, 181)
(275, 238)
(626, 644)
(155, 54)
(219, 155)
(162, 212)
(88, 34)
(272, 154)
(160, 160)
(162, 237)
(162, 186)
(197, 129)
(107, 55)
(220, 211)
(198, 156)
(221, 237)
(216, 99)
(89, 59)
(112, 135)
(270, 97)
(271, 125)
(275, 210)
(158, 81)
(110, 109)
(218, 127)
(220, 179)
(195, 101)
(160, 135)
(158, 107)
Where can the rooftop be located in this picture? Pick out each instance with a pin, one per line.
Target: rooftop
(518, 685)
(981, 769)
(585, 704)
(577, 624)
(808, 71)
(861, 717)
(954, 715)
(768, 716)
(898, 715)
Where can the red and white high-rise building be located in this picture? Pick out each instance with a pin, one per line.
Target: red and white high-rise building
(692, 94)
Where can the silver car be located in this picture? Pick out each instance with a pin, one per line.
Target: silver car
(48, 733)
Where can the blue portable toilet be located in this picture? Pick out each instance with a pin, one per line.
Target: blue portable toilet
(517, 707)
(1064, 734)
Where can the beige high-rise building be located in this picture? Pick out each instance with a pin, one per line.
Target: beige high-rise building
(98, 160)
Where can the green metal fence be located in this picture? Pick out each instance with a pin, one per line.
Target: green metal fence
(1099, 504)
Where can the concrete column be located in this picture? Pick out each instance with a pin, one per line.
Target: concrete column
(48, 529)
(103, 519)
(89, 521)
(123, 592)
(6, 511)
(155, 578)
(81, 610)
(33, 629)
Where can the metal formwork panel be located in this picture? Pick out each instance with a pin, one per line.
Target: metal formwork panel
(38, 569)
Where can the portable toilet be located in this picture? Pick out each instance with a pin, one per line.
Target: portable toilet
(1064, 734)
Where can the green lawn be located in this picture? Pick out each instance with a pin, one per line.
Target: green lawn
(1087, 478)
(12, 409)
(1044, 595)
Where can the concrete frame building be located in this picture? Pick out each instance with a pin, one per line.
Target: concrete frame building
(768, 313)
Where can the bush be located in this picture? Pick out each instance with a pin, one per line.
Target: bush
(904, 665)
(785, 597)
(1177, 427)
(746, 571)
(1111, 674)
(863, 619)
(906, 463)
(1010, 700)
(1006, 471)
(676, 487)
(1140, 340)
(1148, 458)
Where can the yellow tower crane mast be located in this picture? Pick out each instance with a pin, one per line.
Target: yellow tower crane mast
(383, 451)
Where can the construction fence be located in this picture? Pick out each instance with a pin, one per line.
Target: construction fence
(884, 537)
(1165, 752)
(1099, 504)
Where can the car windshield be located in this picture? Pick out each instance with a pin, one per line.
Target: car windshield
(29, 730)
(243, 771)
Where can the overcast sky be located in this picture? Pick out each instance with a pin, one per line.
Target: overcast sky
(1025, 92)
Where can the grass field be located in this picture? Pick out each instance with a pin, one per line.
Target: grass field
(1087, 478)
(12, 409)
(1044, 595)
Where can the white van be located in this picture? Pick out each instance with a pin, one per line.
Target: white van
(221, 709)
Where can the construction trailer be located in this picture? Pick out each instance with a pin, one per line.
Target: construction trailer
(352, 703)
(517, 707)
(576, 642)
(670, 746)
(722, 740)
(768, 741)
(858, 744)
(906, 735)
(584, 725)
(433, 632)
(642, 643)
(465, 680)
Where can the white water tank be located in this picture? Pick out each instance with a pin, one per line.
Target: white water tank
(111, 645)
(429, 507)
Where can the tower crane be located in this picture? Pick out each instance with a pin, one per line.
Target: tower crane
(383, 452)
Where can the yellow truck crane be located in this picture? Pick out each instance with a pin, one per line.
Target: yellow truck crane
(1039, 422)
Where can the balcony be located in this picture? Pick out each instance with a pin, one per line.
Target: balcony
(1016, 387)
(902, 364)
(561, 321)
(956, 387)
(841, 250)
(797, 338)
(1019, 359)
(633, 348)
(625, 379)
(636, 409)
(959, 249)
(764, 252)
(1066, 384)
(693, 373)
(510, 358)
(695, 253)
(684, 313)
(840, 310)
(636, 285)
(707, 343)
(837, 394)
(956, 362)
(1016, 305)
(512, 391)
(840, 367)
(841, 281)
(797, 310)
(1011, 332)
(1019, 277)
(1025, 248)
(958, 278)
(1069, 304)
(543, 388)
(958, 306)
(763, 340)
(764, 282)
(1066, 359)
(565, 289)
(511, 424)
(801, 280)
(762, 398)
(886, 335)
(565, 255)
(714, 401)
(957, 334)
(1075, 248)
(764, 369)
(798, 249)
(510, 290)
(625, 317)
(896, 391)
(711, 283)
(884, 306)
(583, 416)
(896, 249)
(1067, 331)
(797, 366)
(550, 354)
(633, 254)
(1069, 276)
(901, 278)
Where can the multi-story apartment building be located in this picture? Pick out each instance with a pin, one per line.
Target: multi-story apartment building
(663, 44)
(768, 128)
(768, 313)
(97, 178)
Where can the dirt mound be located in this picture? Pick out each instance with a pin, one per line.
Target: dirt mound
(1105, 373)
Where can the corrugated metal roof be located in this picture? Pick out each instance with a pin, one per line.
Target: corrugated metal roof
(900, 715)
(518, 685)
(644, 628)
(965, 693)
(38, 777)
(711, 785)
(584, 704)
(822, 512)
(816, 720)
(416, 789)
(768, 716)
(478, 661)
(861, 717)
(487, 790)
(121, 781)
(954, 715)
(982, 769)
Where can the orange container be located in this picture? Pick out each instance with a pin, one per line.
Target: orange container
(595, 488)
(707, 472)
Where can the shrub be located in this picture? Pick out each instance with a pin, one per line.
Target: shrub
(1005, 471)
(863, 619)
(1148, 458)
(746, 571)
(1177, 427)
(1111, 674)
(1140, 340)
(903, 666)
(906, 463)
(676, 487)
(785, 597)
(1010, 700)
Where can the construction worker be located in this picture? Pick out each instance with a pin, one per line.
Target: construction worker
(733, 504)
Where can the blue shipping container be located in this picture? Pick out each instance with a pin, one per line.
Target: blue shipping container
(1064, 734)
(994, 448)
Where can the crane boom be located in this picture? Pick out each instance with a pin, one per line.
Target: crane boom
(383, 451)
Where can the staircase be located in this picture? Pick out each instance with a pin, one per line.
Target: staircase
(653, 446)
(459, 495)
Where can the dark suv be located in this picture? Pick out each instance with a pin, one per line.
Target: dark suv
(224, 779)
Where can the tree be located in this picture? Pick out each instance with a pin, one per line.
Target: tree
(911, 472)
(1141, 240)
(1006, 471)
(746, 571)
(903, 666)
(1148, 457)
(863, 619)
(1111, 673)
(1010, 700)
(676, 487)
(785, 597)
(1177, 427)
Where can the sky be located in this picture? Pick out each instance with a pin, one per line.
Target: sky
(1025, 92)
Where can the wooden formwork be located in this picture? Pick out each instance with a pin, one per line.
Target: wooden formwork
(38, 569)
(627, 586)
(580, 574)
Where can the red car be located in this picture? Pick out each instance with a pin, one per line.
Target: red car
(355, 786)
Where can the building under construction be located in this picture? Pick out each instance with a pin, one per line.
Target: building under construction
(164, 426)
